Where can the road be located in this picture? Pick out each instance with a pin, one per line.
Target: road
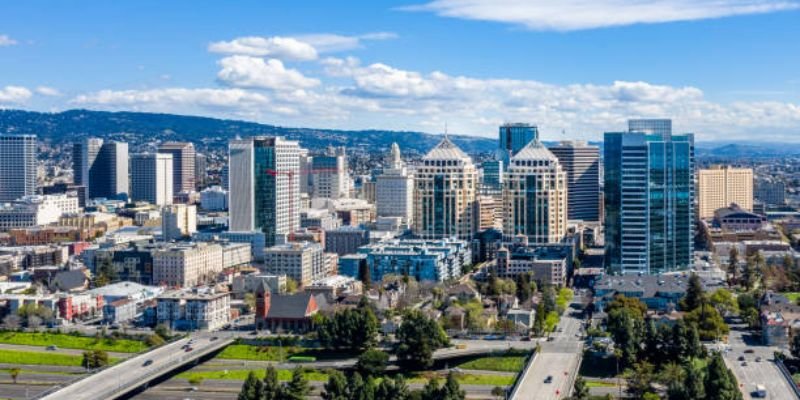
(765, 372)
(559, 358)
(110, 382)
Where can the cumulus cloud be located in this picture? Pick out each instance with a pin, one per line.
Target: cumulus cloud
(6, 40)
(171, 97)
(14, 94)
(254, 72)
(285, 48)
(567, 15)
(295, 48)
(47, 91)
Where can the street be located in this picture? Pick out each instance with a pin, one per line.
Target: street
(754, 373)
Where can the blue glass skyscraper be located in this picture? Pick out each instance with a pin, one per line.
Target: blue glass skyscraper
(649, 193)
(513, 137)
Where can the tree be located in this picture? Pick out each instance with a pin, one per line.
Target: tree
(418, 337)
(12, 322)
(196, 380)
(523, 287)
(708, 321)
(733, 266)
(720, 383)
(724, 302)
(752, 271)
(694, 294)
(580, 391)
(250, 301)
(106, 273)
(392, 389)
(336, 388)
(795, 346)
(364, 275)
(162, 330)
(498, 392)
(352, 329)
(372, 362)
(93, 359)
(271, 387)
(539, 319)
(451, 390)
(672, 376)
(14, 372)
(695, 388)
(297, 388)
(625, 323)
(248, 391)
(431, 390)
(155, 340)
(639, 379)
(291, 285)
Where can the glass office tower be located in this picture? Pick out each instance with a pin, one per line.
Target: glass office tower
(513, 137)
(649, 192)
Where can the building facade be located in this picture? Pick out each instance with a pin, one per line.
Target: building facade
(424, 260)
(722, 186)
(394, 188)
(102, 167)
(187, 265)
(581, 163)
(193, 311)
(178, 221)
(264, 179)
(445, 188)
(151, 178)
(649, 197)
(329, 175)
(513, 137)
(535, 196)
(304, 262)
(183, 160)
(17, 166)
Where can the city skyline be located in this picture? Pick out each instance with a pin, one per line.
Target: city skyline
(406, 69)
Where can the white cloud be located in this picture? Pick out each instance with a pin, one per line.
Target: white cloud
(295, 48)
(285, 48)
(172, 98)
(14, 94)
(48, 91)
(567, 15)
(6, 40)
(253, 72)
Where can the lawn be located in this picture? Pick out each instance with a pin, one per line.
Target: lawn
(72, 342)
(35, 358)
(591, 384)
(274, 353)
(318, 376)
(792, 296)
(504, 363)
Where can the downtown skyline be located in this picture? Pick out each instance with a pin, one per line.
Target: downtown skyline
(418, 66)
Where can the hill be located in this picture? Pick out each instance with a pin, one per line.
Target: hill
(138, 127)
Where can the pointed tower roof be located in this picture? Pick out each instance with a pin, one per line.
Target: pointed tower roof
(262, 287)
(446, 150)
(534, 150)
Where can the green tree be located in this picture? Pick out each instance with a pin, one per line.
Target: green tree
(498, 392)
(720, 383)
(248, 391)
(336, 388)
(580, 391)
(451, 390)
(162, 330)
(708, 321)
(105, 273)
(392, 389)
(694, 294)
(196, 380)
(297, 388)
(93, 359)
(155, 340)
(250, 302)
(352, 329)
(523, 287)
(372, 362)
(364, 275)
(733, 266)
(431, 390)
(539, 319)
(14, 372)
(291, 285)
(672, 376)
(271, 387)
(752, 271)
(639, 379)
(418, 337)
(724, 302)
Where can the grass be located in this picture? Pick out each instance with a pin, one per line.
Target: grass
(504, 363)
(38, 372)
(72, 342)
(792, 296)
(591, 384)
(38, 358)
(274, 353)
(318, 376)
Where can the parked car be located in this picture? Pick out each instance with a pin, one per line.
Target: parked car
(749, 351)
(741, 358)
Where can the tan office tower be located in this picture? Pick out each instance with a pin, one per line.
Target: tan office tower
(535, 196)
(718, 187)
(446, 183)
(183, 159)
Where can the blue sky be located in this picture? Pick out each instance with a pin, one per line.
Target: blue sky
(721, 68)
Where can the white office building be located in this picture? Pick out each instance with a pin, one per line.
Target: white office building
(17, 166)
(394, 190)
(178, 221)
(329, 176)
(36, 210)
(187, 265)
(214, 198)
(304, 262)
(151, 178)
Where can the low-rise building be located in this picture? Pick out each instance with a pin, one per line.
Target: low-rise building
(424, 260)
(548, 264)
(214, 198)
(658, 292)
(345, 240)
(196, 310)
(186, 265)
(287, 312)
(304, 262)
(119, 311)
(178, 221)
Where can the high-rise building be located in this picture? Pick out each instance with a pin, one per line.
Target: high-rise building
(151, 178)
(446, 185)
(492, 175)
(649, 196)
(535, 196)
(719, 187)
(102, 167)
(302, 261)
(264, 179)
(770, 192)
(581, 162)
(17, 166)
(394, 188)
(515, 136)
(183, 161)
(200, 173)
(329, 177)
(187, 264)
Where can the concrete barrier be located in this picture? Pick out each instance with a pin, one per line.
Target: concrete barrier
(788, 376)
(524, 372)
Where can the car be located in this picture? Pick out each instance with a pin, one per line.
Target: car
(52, 347)
(253, 333)
(192, 389)
(744, 363)
(184, 347)
(146, 363)
(188, 349)
(550, 339)
(549, 379)
(749, 351)
(213, 338)
(758, 359)
(741, 358)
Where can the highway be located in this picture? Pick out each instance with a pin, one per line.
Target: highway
(559, 358)
(119, 379)
(754, 373)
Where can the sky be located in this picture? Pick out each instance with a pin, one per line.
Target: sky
(723, 69)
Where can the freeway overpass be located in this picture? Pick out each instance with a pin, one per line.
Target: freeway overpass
(127, 376)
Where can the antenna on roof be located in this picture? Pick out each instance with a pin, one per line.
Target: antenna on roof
(445, 131)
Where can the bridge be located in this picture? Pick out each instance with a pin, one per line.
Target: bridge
(138, 371)
(558, 359)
